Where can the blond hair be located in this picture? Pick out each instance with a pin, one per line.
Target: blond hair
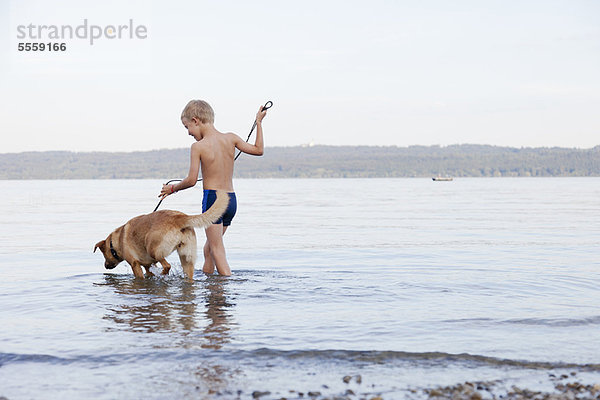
(198, 109)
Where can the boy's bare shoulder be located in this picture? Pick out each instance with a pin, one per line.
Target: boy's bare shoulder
(197, 147)
(232, 137)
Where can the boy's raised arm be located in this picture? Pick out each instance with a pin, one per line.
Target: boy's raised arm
(257, 149)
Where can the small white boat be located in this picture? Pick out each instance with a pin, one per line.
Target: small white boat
(442, 178)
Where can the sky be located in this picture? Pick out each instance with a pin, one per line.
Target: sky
(382, 72)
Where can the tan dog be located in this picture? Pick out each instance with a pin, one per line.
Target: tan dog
(150, 238)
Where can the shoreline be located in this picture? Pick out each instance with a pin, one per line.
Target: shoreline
(355, 387)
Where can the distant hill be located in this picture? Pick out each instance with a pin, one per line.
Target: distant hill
(314, 162)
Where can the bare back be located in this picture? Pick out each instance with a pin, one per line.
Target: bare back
(217, 152)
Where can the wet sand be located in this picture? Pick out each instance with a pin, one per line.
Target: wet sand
(565, 386)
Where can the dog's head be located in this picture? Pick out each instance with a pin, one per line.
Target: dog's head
(112, 258)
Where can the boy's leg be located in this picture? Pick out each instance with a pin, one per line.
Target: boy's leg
(216, 250)
(209, 262)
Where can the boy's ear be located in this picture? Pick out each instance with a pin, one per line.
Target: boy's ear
(196, 121)
(99, 245)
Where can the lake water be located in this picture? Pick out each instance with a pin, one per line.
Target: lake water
(407, 283)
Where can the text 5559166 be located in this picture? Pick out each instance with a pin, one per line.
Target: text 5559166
(50, 46)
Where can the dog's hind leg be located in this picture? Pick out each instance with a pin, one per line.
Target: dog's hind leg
(148, 272)
(188, 267)
(187, 252)
(188, 259)
(166, 266)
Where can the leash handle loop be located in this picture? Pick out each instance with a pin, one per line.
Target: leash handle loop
(267, 105)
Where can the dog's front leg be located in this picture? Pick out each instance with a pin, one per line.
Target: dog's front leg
(166, 266)
(137, 270)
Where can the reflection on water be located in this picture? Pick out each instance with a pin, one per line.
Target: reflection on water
(217, 312)
(151, 305)
(199, 313)
(172, 305)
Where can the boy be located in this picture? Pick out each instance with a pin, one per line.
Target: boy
(214, 153)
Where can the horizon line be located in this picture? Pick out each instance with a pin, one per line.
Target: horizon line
(310, 145)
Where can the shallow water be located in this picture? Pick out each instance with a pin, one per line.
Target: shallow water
(408, 283)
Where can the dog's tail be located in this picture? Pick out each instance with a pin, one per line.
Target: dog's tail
(215, 212)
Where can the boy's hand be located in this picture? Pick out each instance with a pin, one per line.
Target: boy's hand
(260, 114)
(166, 190)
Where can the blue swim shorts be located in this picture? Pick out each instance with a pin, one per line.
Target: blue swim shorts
(209, 198)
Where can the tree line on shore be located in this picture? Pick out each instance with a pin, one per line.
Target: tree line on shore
(465, 160)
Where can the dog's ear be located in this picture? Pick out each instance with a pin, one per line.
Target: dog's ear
(100, 245)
